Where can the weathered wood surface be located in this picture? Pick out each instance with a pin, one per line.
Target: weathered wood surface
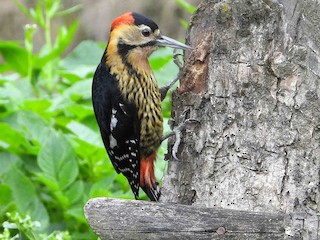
(126, 219)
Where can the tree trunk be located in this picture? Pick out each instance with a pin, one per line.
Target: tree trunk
(252, 82)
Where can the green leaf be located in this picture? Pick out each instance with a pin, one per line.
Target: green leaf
(166, 106)
(160, 58)
(64, 38)
(37, 15)
(7, 161)
(83, 59)
(4, 67)
(5, 197)
(68, 173)
(78, 91)
(68, 76)
(57, 161)
(10, 139)
(31, 125)
(184, 23)
(69, 10)
(80, 72)
(84, 133)
(16, 91)
(166, 73)
(81, 89)
(77, 213)
(80, 111)
(94, 155)
(53, 8)
(25, 197)
(75, 192)
(62, 199)
(22, 188)
(39, 105)
(103, 187)
(34, 125)
(187, 6)
(15, 57)
(22, 8)
(51, 184)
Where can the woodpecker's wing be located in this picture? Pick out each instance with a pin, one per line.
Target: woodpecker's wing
(119, 125)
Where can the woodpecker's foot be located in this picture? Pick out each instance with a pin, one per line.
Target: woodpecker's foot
(164, 90)
(176, 59)
(177, 133)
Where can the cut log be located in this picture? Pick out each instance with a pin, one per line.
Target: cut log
(131, 219)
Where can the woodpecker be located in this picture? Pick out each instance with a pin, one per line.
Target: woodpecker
(127, 101)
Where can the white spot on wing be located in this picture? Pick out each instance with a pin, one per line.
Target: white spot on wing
(123, 108)
(123, 157)
(113, 141)
(114, 120)
(126, 169)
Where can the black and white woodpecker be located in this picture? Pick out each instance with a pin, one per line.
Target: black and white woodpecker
(127, 100)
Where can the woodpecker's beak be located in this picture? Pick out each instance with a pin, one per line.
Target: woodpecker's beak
(169, 42)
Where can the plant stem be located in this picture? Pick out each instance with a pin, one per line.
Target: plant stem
(47, 30)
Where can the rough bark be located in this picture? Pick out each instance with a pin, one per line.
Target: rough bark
(253, 83)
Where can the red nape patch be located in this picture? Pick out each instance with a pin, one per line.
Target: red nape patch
(125, 18)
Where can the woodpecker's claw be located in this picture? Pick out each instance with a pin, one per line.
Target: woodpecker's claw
(164, 90)
(177, 133)
(176, 60)
(176, 144)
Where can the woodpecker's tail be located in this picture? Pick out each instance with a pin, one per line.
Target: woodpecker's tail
(152, 192)
(148, 181)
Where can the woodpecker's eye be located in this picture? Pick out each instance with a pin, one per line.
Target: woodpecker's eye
(146, 32)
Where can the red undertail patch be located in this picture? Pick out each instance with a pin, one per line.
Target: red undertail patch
(147, 176)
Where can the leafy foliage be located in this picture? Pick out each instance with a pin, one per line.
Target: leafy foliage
(188, 8)
(51, 156)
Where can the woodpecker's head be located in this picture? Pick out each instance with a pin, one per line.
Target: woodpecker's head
(133, 37)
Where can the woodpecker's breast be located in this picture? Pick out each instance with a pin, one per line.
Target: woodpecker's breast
(142, 89)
